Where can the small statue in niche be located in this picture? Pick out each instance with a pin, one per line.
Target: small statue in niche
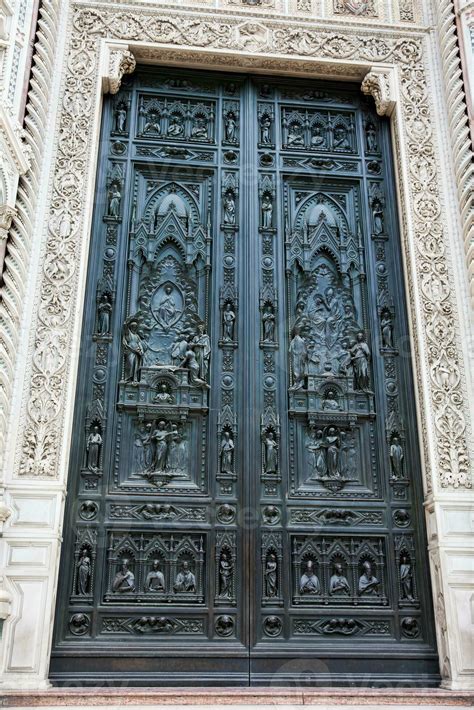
(226, 576)
(368, 583)
(230, 127)
(124, 580)
(115, 198)
(360, 356)
(299, 359)
(338, 584)
(121, 117)
(309, 583)
(163, 396)
(386, 325)
(268, 319)
(317, 138)
(377, 216)
(227, 453)
(155, 580)
(229, 208)
(93, 447)
(271, 576)
(332, 453)
(228, 322)
(271, 452)
(84, 570)
(406, 579)
(371, 137)
(191, 364)
(202, 348)
(104, 312)
(267, 211)
(199, 129)
(295, 134)
(153, 124)
(341, 139)
(134, 349)
(330, 402)
(176, 128)
(185, 580)
(265, 129)
(397, 457)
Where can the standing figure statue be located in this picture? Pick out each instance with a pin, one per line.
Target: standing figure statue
(120, 118)
(166, 308)
(309, 583)
(84, 570)
(134, 350)
(360, 356)
(299, 358)
(202, 348)
(371, 137)
(332, 455)
(226, 576)
(115, 197)
(227, 453)
(228, 321)
(397, 457)
(104, 312)
(268, 319)
(406, 579)
(386, 325)
(377, 216)
(265, 127)
(271, 576)
(94, 445)
(230, 127)
(267, 211)
(160, 438)
(229, 208)
(271, 453)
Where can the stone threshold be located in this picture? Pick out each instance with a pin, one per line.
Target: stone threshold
(93, 697)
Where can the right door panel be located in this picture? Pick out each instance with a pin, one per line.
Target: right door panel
(342, 589)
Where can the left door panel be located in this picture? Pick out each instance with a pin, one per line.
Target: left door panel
(153, 565)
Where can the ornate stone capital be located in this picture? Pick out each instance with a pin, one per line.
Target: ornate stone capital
(117, 62)
(379, 84)
(6, 215)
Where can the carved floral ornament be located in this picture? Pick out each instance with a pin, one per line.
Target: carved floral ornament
(40, 451)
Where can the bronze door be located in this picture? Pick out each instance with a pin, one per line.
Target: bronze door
(244, 498)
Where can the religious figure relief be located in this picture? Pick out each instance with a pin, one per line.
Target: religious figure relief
(226, 576)
(161, 451)
(166, 308)
(295, 135)
(271, 452)
(190, 363)
(386, 327)
(330, 401)
(134, 350)
(338, 584)
(397, 458)
(354, 7)
(104, 314)
(152, 123)
(199, 130)
(155, 580)
(227, 453)
(265, 129)
(371, 137)
(318, 139)
(84, 571)
(377, 216)
(185, 580)
(271, 576)
(332, 457)
(230, 127)
(268, 319)
(267, 211)
(120, 117)
(309, 583)
(163, 396)
(176, 127)
(368, 583)
(93, 448)
(124, 580)
(299, 359)
(202, 347)
(406, 579)
(114, 201)
(228, 323)
(229, 208)
(341, 139)
(360, 357)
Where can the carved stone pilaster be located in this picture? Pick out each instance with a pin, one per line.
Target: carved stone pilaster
(379, 84)
(118, 61)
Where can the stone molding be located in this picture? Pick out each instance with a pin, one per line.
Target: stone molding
(213, 41)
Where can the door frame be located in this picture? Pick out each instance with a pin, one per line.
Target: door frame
(102, 64)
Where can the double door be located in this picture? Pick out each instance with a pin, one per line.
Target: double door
(244, 498)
